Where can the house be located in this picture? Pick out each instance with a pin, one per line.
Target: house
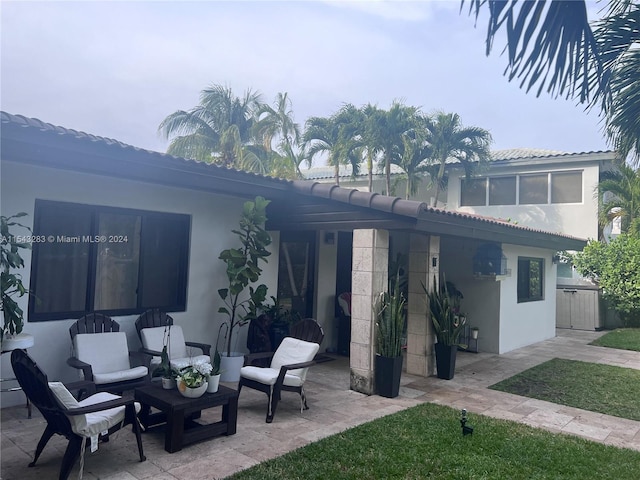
(120, 229)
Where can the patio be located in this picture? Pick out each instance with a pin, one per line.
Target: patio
(333, 408)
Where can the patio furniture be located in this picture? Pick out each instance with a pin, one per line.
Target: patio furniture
(102, 354)
(178, 412)
(287, 371)
(308, 330)
(154, 327)
(81, 422)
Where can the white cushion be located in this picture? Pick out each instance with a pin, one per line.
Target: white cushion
(290, 351)
(90, 425)
(105, 352)
(120, 376)
(153, 339)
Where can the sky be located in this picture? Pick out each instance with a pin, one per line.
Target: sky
(116, 69)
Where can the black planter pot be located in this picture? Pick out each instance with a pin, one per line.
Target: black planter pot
(388, 372)
(446, 360)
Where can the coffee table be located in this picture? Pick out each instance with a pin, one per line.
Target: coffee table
(177, 411)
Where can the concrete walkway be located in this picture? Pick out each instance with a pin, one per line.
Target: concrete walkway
(333, 408)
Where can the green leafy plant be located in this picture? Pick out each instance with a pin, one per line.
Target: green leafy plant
(11, 283)
(243, 269)
(193, 376)
(390, 319)
(164, 369)
(444, 309)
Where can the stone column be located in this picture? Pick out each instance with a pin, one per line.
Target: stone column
(424, 265)
(369, 277)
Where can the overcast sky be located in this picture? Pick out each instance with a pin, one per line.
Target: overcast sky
(116, 69)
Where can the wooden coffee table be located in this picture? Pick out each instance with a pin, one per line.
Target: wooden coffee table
(177, 411)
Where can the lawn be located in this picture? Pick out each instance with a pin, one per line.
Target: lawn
(622, 338)
(590, 386)
(426, 442)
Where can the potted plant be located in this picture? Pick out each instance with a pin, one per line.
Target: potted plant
(11, 283)
(448, 323)
(243, 269)
(192, 382)
(213, 380)
(390, 319)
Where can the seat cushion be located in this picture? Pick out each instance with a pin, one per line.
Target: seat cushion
(90, 425)
(120, 376)
(291, 351)
(269, 376)
(106, 352)
(153, 339)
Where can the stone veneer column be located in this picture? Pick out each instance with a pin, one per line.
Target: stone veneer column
(369, 278)
(424, 251)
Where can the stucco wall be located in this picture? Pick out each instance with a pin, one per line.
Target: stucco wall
(576, 219)
(325, 290)
(212, 218)
(528, 322)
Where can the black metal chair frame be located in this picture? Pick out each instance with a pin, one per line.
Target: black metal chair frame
(35, 385)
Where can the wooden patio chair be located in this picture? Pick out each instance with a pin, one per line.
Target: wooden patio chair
(155, 327)
(101, 353)
(80, 422)
(287, 371)
(308, 330)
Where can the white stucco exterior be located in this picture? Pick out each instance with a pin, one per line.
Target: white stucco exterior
(212, 217)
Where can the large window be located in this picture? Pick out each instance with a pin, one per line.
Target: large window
(529, 189)
(113, 260)
(530, 279)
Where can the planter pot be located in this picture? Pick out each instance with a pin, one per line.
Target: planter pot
(474, 334)
(214, 382)
(388, 372)
(231, 366)
(192, 392)
(169, 383)
(446, 360)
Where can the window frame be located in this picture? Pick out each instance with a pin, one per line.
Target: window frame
(181, 221)
(524, 297)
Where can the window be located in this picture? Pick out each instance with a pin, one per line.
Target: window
(502, 191)
(113, 260)
(566, 187)
(533, 189)
(473, 192)
(530, 189)
(530, 279)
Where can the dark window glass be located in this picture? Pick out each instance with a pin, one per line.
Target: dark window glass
(533, 189)
(502, 191)
(566, 187)
(530, 279)
(473, 192)
(117, 261)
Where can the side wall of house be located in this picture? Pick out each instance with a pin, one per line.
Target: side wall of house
(212, 218)
(526, 323)
(576, 219)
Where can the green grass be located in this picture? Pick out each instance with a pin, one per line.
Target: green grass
(622, 338)
(426, 442)
(590, 386)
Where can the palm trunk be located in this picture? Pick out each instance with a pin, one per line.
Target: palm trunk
(387, 172)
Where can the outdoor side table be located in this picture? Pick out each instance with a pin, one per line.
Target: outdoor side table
(21, 341)
(177, 411)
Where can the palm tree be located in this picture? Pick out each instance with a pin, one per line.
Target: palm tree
(370, 144)
(619, 197)
(336, 137)
(277, 122)
(218, 130)
(387, 129)
(415, 152)
(552, 45)
(448, 139)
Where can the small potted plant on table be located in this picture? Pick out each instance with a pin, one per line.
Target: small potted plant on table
(192, 382)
